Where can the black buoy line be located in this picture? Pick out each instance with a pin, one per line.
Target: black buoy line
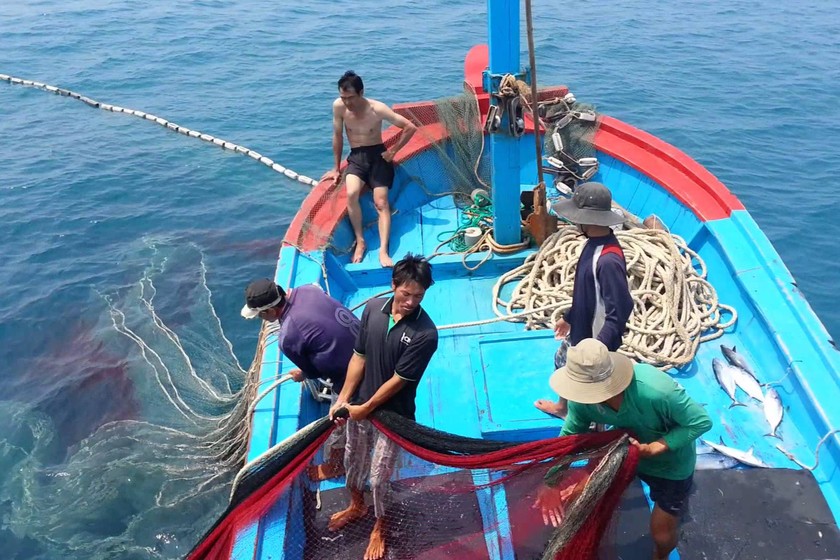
(222, 143)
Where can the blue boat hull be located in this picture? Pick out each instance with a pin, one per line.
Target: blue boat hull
(484, 379)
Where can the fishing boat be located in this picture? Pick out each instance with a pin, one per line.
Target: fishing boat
(487, 373)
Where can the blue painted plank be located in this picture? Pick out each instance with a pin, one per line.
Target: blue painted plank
(439, 219)
(627, 184)
(451, 388)
(657, 202)
(448, 302)
(482, 294)
(414, 185)
(246, 543)
(283, 535)
(607, 170)
(263, 418)
(510, 371)
(492, 504)
(687, 226)
(406, 194)
(402, 239)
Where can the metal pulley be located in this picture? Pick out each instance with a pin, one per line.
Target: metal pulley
(516, 116)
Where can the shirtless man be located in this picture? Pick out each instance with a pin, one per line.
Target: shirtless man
(369, 163)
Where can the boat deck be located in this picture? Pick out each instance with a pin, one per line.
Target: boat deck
(483, 380)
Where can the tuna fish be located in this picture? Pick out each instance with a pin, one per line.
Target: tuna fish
(745, 457)
(725, 375)
(773, 410)
(736, 359)
(702, 448)
(748, 383)
(715, 460)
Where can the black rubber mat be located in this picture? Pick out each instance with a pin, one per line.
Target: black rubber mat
(629, 536)
(758, 514)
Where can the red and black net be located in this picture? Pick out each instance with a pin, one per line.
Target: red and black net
(446, 496)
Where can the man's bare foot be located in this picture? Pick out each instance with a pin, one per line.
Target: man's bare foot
(385, 260)
(359, 253)
(325, 471)
(552, 408)
(349, 515)
(376, 546)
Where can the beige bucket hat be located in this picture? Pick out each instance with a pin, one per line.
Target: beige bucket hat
(592, 373)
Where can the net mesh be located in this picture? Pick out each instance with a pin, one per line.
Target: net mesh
(569, 140)
(446, 497)
(459, 166)
(578, 133)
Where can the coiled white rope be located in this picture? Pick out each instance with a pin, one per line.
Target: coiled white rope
(675, 308)
(222, 143)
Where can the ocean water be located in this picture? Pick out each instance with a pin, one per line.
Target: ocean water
(126, 247)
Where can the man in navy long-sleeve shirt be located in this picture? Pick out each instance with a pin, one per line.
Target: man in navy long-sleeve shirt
(601, 300)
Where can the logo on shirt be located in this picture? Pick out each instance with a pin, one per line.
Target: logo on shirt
(345, 318)
(405, 339)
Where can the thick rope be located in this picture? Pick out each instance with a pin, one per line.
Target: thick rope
(675, 307)
(486, 243)
(793, 458)
(224, 144)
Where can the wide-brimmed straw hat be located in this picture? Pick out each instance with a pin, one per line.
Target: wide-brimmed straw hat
(592, 373)
(590, 205)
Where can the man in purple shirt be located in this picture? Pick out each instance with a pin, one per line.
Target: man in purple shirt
(317, 333)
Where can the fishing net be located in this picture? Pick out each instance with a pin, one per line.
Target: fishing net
(459, 168)
(447, 497)
(576, 123)
(140, 420)
(569, 146)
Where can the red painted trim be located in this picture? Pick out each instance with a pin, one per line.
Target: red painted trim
(685, 179)
(475, 64)
(312, 210)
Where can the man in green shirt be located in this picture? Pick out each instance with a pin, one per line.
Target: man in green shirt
(608, 388)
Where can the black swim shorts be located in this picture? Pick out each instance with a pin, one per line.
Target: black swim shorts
(670, 495)
(366, 163)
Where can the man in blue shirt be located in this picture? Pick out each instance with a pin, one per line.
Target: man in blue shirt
(317, 334)
(395, 344)
(601, 301)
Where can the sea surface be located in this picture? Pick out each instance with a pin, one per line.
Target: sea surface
(126, 247)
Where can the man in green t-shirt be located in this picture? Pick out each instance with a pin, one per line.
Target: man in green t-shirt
(608, 388)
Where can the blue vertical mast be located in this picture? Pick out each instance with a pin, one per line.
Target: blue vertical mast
(503, 46)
